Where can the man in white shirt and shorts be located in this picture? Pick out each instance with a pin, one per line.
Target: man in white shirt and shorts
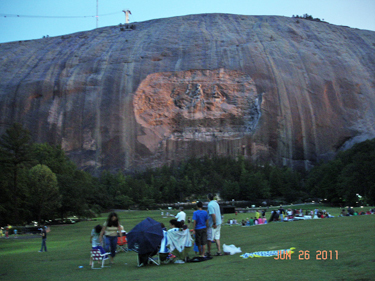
(214, 224)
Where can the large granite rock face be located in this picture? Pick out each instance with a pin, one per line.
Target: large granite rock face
(273, 89)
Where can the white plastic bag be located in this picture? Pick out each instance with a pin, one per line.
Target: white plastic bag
(231, 249)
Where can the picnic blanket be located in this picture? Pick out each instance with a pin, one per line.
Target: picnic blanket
(273, 253)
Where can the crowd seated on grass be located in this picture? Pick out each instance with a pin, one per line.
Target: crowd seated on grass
(232, 222)
(298, 214)
(281, 215)
(351, 212)
(248, 222)
(295, 214)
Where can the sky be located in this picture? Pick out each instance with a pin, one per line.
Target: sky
(33, 19)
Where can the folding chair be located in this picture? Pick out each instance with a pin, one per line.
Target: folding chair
(145, 259)
(96, 255)
(179, 243)
(154, 257)
(122, 243)
(157, 257)
(164, 254)
(150, 258)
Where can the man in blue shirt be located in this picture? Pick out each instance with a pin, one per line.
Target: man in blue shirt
(200, 219)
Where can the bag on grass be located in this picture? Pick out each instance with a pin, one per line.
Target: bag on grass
(199, 259)
(231, 249)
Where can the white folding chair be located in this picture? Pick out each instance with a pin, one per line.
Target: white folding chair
(96, 255)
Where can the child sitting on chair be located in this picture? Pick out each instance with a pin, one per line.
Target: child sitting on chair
(94, 240)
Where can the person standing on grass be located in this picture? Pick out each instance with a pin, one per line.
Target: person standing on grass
(181, 216)
(257, 214)
(263, 213)
(110, 228)
(214, 224)
(282, 212)
(200, 218)
(44, 239)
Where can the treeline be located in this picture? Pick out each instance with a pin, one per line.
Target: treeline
(233, 178)
(38, 182)
(307, 17)
(349, 179)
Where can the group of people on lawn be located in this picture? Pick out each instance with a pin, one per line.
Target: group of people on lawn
(352, 212)
(259, 218)
(285, 215)
(206, 228)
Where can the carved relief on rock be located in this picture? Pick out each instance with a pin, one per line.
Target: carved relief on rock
(195, 105)
(194, 99)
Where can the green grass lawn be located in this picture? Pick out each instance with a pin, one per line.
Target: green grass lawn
(69, 248)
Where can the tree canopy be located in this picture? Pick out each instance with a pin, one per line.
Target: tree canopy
(43, 191)
(39, 182)
(349, 179)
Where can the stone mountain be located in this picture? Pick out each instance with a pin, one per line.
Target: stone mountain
(273, 89)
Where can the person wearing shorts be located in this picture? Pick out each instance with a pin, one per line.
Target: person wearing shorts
(200, 218)
(214, 224)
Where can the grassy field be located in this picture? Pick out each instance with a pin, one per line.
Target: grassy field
(69, 248)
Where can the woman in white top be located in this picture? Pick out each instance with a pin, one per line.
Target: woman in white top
(110, 228)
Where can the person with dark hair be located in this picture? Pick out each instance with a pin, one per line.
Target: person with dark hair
(110, 229)
(277, 216)
(214, 223)
(200, 218)
(95, 240)
(175, 223)
(281, 212)
(179, 240)
(44, 239)
(95, 236)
